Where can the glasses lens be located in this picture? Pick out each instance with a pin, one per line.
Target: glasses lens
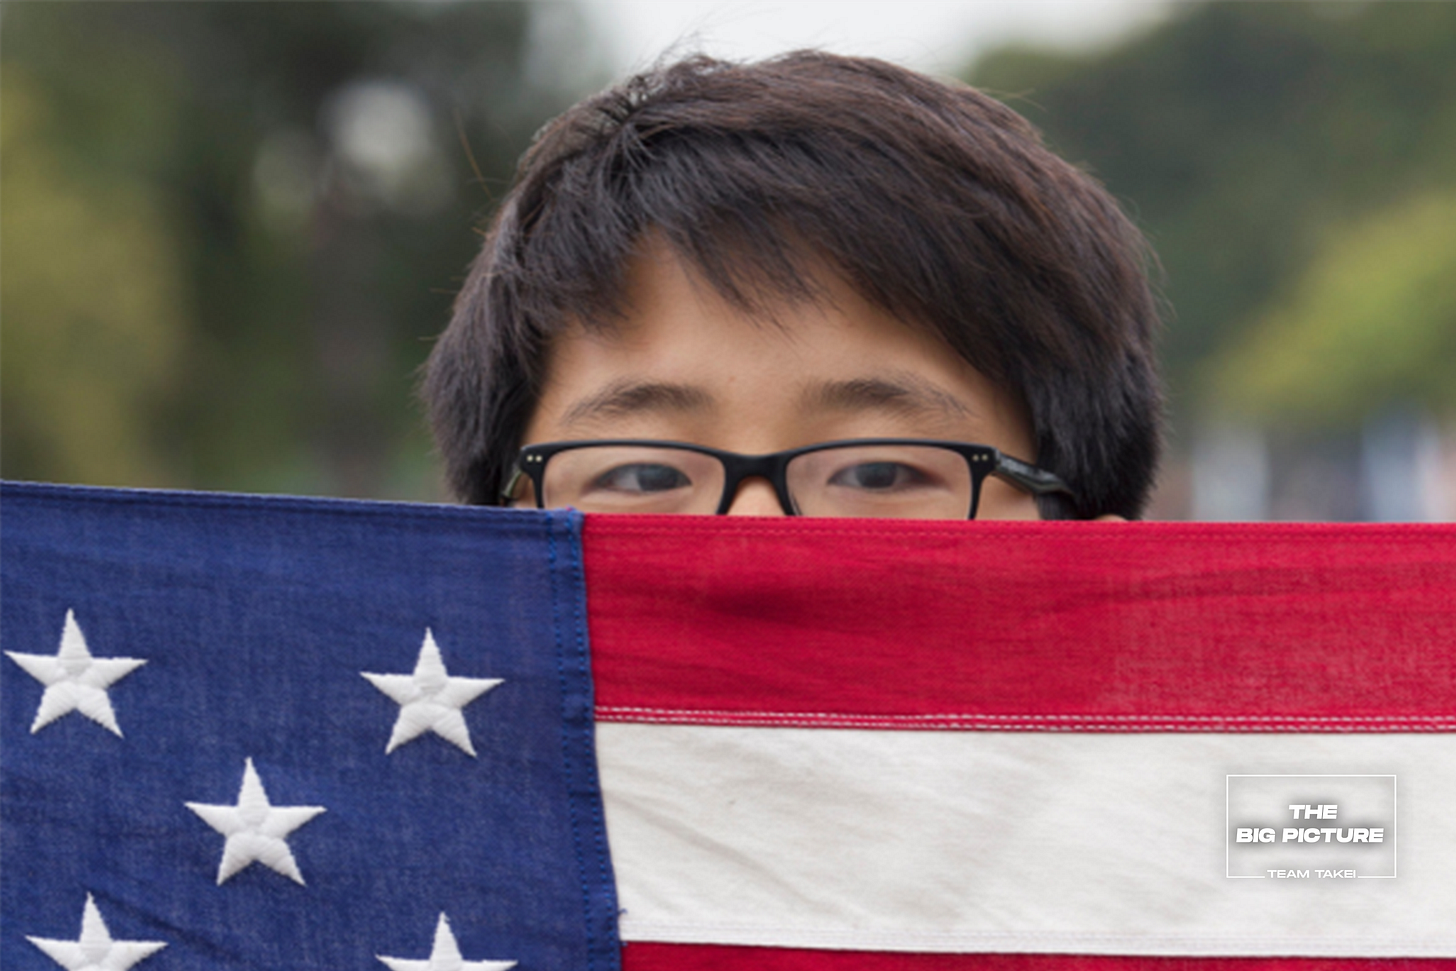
(634, 479)
(888, 481)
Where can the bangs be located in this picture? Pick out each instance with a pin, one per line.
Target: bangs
(935, 203)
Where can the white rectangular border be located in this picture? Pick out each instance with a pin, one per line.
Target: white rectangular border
(1394, 808)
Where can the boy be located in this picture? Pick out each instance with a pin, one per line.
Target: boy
(708, 273)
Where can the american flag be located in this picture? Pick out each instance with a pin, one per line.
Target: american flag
(244, 732)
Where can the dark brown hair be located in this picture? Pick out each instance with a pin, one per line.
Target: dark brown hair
(936, 202)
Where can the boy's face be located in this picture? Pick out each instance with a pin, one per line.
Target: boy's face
(685, 365)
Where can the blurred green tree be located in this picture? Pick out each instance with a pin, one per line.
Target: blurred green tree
(1369, 326)
(93, 329)
(230, 229)
(1243, 135)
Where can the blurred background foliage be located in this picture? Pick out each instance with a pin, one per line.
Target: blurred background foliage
(1369, 322)
(230, 230)
(1292, 164)
(1260, 145)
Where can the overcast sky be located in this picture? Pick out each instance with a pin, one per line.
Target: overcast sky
(931, 35)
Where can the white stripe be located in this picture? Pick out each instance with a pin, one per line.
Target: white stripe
(1003, 841)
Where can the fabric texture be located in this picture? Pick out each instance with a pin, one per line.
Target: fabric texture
(243, 732)
(249, 814)
(986, 842)
(1057, 625)
(857, 744)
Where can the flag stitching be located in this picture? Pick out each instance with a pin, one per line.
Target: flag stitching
(1030, 722)
(599, 828)
(584, 721)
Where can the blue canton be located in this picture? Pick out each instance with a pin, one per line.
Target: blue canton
(242, 732)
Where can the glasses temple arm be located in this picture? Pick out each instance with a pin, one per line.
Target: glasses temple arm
(508, 492)
(1037, 481)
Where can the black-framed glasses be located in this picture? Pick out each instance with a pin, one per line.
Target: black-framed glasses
(897, 478)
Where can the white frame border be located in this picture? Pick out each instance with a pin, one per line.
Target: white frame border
(1394, 809)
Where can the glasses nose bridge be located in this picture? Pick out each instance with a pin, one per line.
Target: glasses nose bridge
(737, 468)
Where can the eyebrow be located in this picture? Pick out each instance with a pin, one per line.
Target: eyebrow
(635, 397)
(905, 393)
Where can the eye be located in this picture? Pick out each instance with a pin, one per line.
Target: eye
(641, 478)
(878, 476)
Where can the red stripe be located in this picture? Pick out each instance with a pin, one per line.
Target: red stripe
(1026, 723)
(698, 957)
(1041, 626)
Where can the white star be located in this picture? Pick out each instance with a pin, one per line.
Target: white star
(444, 956)
(74, 680)
(430, 700)
(94, 950)
(255, 829)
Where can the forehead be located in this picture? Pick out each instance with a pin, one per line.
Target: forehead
(674, 318)
(684, 359)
